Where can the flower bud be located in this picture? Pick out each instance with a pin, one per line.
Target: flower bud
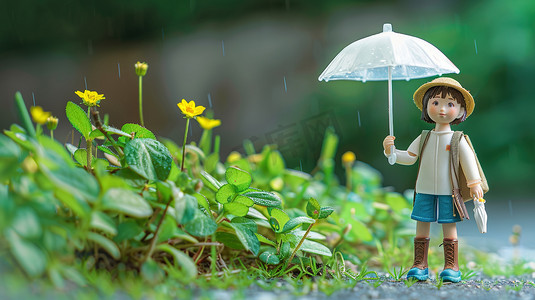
(348, 158)
(233, 157)
(52, 123)
(141, 68)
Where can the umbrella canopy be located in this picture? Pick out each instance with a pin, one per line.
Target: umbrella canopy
(370, 58)
(388, 56)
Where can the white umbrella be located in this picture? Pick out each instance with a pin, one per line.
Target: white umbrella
(480, 215)
(388, 56)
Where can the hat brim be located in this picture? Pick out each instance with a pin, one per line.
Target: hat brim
(420, 92)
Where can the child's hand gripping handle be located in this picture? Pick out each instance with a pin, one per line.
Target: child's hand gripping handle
(388, 145)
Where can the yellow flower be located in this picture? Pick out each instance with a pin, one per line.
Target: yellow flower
(233, 157)
(52, 123)
(38, 115)
(348, 157)
(141, 68)
(90, 98)
(189, 109)
(208, 124)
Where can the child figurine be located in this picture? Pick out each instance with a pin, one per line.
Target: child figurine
(443, 102)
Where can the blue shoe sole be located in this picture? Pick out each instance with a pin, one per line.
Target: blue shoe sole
(418, 274)
(450, 276)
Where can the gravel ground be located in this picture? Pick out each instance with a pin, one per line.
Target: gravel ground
(475, 288)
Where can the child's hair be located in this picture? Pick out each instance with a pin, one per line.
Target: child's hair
(443, 91)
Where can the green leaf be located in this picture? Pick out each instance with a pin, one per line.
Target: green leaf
(210, 181)
(127, 230)
(237, 209)
(295, 179)
(244, 200)
(32, 259)
(264, 198)
(245, 223)
(278, 219)
(181, 259)
(170, 230)
(358, 231)
(226, 193)
(210, 163)
(285, 250)
(325, 212)
(270, 257)
(105, 243)
(295, 222)
(239, 178)
(245, 233)
(138, 131)
(81, 157)
(78, 206)
(275, 163)
(315, 248)
(313, 208)
(126, 202)
(26, 223)
(229, 240)
(201, 225)
(148, 158)
(110, 181)
(185, 208)
(10, 155)
(397, 202)
(76, 181)
(78, 118)
(24, 115)
(202, 201)
(52, 146)
(103, 222)
(151, 272)
(263, 239)
(109, 130)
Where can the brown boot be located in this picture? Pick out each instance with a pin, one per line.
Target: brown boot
(451, 271)
(421, 247)
(451, 251)
(419, 269)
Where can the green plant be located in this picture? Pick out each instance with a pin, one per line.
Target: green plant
(467, 274)
(439, 282)
(410, 282)
(517, 286)
(121, 210)
(396, 274)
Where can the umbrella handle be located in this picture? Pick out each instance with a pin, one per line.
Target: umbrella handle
(392, 157)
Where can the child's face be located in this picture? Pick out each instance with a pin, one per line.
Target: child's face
(444, 110)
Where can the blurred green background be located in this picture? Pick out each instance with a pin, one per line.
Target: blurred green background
(256, 63)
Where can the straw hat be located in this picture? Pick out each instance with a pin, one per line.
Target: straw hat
(444, 81)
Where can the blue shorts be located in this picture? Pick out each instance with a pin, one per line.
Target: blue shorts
(433, 208)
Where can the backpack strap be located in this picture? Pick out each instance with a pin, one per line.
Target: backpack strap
(454, 151)
(457, 198)
(424, 137)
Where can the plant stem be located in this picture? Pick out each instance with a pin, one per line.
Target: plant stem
(155, 237)
(89, 151)
(184, 145)
(300, 242)
(214, 255)
(100, 126)
(52, 134)
(348, 177)
(141, 101)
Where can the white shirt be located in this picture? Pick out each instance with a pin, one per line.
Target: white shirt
(434, 175)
